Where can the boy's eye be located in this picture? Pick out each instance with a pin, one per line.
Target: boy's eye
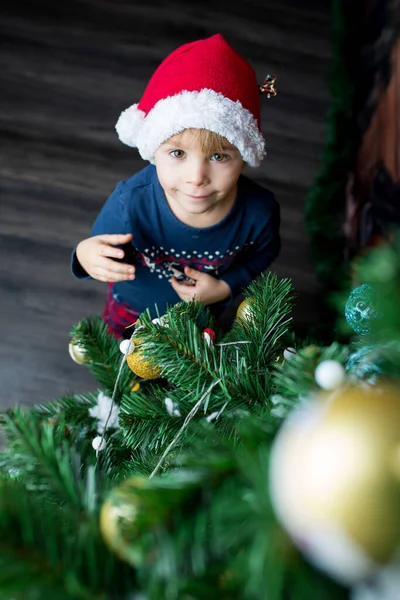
(177, 153)
(217, 157)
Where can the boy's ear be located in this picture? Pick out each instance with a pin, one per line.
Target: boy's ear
(244, 166)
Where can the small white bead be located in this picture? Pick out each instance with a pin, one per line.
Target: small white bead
(99, 443)
(288, 353)
(329, 374)
(126, 345)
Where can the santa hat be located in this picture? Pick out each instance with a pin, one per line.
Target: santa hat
(203, 85)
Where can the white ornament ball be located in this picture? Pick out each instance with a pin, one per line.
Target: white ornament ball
(329, 374)
(126, 346)
(289, 353)
(99, 443)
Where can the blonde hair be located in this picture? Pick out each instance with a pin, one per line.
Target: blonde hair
(209, 141)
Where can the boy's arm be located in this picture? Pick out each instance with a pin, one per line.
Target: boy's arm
(264, 252)
(111, 219)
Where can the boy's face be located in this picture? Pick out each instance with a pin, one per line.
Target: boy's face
(196, 182)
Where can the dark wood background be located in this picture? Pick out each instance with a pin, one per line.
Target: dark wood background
(67, 70)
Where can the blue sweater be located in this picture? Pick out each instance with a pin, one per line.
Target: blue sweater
(237, 249)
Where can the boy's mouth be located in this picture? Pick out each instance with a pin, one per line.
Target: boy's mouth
(195, 197)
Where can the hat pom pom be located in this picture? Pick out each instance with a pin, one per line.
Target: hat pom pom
(129, 125)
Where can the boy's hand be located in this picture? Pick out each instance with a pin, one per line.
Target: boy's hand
(205, 288)
(95, 254)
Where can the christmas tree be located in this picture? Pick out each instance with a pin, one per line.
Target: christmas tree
(185, 475)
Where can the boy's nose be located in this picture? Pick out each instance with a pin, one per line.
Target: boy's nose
(197, 173)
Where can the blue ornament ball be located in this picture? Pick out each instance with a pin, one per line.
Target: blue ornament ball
(364, 365)
(361, 309)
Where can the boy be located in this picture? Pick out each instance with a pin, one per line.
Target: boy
(189, 225)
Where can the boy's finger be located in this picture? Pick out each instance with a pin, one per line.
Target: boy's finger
(193, 273)
(116, 238)
(116, 267)
(111, 252)
(109, 275)
(185, 292)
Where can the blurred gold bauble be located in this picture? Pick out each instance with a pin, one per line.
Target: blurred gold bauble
(118, 520)
(142, 367)
(76, 352)
(335, 476)
(245, 312)
(136, 508)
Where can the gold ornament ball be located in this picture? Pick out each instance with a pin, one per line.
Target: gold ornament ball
(142, 367)
(139, 506)
(245, 312)
(335, 479)
(118, 519)
(76, 352)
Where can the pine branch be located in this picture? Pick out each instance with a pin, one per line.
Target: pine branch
(45, 550)
(103, 357)
(295, 379)
(120, 462)
(267, 325)
(46, 463)
(245, 367)
(243, 370)
(73, 409)
(179, 349)
(145, 422)
(147, 425)
(212, 521)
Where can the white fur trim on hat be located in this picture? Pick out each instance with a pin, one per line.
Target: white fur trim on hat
(129, 125)
(199, 110)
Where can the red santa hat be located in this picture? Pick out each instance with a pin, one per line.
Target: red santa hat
(203, 85)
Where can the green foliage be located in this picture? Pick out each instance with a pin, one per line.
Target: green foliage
(198, 439)
(294, 379)
(103, 355)
(325, 205)
(213, 525)
(49, 511)
(238, 368)
(270, 300)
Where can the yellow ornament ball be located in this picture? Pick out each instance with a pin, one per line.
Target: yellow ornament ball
(77, 352)
(118, 520)
(335, 480)
(142, 367)
(245, 312)
(139, 506)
